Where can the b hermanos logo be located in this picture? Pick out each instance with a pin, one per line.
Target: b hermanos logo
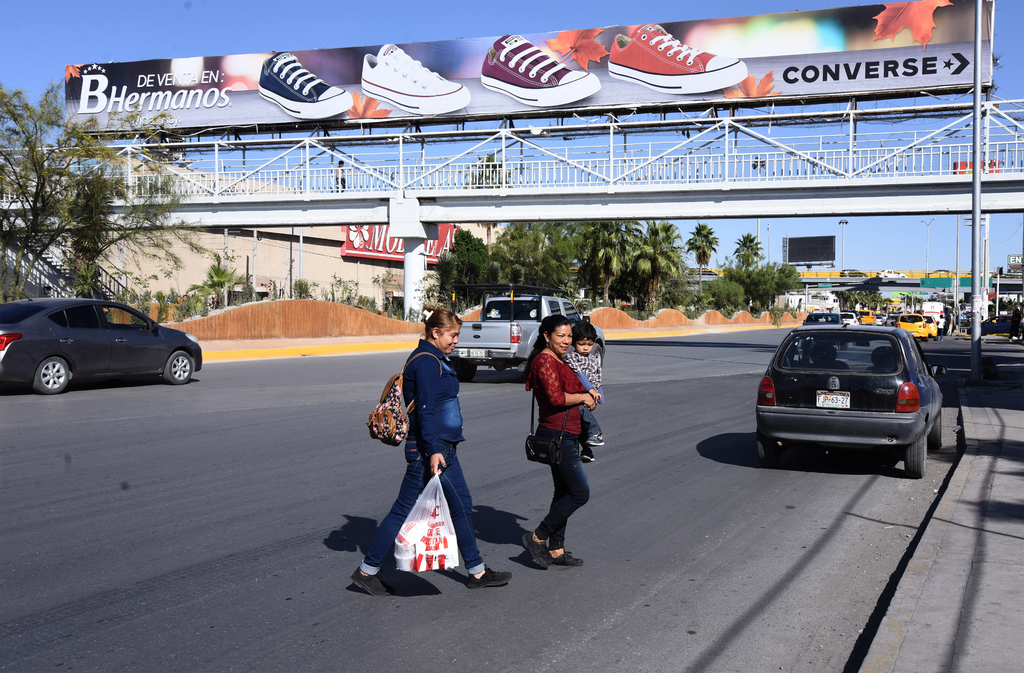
(96, 98)
(865, 70)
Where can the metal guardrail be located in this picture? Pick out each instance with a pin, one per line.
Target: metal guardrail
(679, 155)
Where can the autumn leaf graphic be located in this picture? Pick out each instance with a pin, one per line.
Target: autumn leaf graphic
(916, 15)
(365, 108)
(580, 44)
(71, 71)
(751, 88)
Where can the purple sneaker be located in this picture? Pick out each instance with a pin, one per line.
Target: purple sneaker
(518, 69)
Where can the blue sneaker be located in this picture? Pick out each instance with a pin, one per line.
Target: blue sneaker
(299, 92)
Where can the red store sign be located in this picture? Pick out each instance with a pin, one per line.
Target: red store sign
(372, 241)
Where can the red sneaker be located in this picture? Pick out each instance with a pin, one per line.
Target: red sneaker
(658, 61)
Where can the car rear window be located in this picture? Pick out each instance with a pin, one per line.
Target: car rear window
(868, 353)
(12, 314)
(911, 318)
(500, 309)
(822, 318)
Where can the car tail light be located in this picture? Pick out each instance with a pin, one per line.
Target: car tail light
(766, 392)
(8, 338)
(908, 399)
(515, 333)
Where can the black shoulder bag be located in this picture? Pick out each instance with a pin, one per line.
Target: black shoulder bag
(540, 451)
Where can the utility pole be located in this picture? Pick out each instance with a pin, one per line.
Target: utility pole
(843, 223)
(927, 236)
(976, 303)
(224, 265)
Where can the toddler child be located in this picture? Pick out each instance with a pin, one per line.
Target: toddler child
(587, 366)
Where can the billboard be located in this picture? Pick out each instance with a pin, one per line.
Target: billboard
(914, 46)
(373, 241)
(809, 250)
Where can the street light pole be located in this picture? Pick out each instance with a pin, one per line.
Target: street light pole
(927, 237)
(843, 223)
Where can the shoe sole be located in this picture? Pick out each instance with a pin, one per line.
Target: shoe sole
(550, 97)
(319, 110)
(539, 560)
(499, 583)
(359, 582)
(426, 105)
(700, 82)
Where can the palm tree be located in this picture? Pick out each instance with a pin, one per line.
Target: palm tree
(219, 280)
(702, 243)
(657, 255)
(608, 246)
(748, 250)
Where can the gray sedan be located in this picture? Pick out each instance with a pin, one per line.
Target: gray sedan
(47, 342)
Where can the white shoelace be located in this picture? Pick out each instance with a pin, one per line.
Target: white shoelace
(411, 69)
(533, 53)
(295, 79)
(675, 45)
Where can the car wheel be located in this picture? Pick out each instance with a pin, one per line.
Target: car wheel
(935, 436)
(916, 459)
(464, 371)
(768, 452)
(52, 376)
(598, 352)
(178, 369)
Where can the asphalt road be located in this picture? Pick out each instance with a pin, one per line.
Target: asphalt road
(214, 526)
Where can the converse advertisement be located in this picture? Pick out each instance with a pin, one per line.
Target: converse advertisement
(811, 56)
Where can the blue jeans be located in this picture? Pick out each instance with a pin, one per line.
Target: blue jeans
(572, 490)
(460, 504)
(589, 425)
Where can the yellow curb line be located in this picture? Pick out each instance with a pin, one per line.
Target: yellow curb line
(709, 328)
(342, 349)
(299, 351)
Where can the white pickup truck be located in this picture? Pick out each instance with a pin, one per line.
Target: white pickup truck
(508, 327)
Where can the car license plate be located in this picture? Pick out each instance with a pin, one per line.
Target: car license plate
(831, 399)
(476, 353)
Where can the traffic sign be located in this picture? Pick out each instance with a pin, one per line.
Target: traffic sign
(824, 284)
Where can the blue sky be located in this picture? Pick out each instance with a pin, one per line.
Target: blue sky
(39, 37)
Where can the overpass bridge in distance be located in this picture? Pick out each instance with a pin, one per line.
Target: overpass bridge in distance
(892, 161)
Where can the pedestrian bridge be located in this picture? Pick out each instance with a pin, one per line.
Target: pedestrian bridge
(893, 161)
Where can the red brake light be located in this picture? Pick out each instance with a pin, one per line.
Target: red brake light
(515, 333)
(8, 338)
(766, 392)
(908, 399)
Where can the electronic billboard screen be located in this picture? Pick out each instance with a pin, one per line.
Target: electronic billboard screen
(809, 250)
(876, 49)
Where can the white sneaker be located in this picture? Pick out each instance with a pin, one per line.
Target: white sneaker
(393, 77)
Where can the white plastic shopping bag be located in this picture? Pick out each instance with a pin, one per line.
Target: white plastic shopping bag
(427, 539)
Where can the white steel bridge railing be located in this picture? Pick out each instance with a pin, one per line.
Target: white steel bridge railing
(691, 154)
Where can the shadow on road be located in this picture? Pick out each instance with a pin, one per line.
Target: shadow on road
(496, 526)
(738, 448)
(356, 534)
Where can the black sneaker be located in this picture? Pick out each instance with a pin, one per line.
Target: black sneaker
(299, 92)
(537, 550)
(586, 455)
(490, 578)
(371, 584)
(566, 559)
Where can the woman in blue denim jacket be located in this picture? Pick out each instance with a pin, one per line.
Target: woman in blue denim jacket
(435, 431)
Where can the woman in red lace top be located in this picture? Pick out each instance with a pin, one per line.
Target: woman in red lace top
(558, 392)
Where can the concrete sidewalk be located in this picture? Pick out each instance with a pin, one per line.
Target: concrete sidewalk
(251, 349)
(960, 604)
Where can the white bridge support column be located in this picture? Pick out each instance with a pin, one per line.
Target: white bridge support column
(404, 222)
(415, 271)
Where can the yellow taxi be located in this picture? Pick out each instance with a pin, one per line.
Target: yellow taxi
(932, 326)
(915, 324)
(867, 317)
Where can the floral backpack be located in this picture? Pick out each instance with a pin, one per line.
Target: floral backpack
(389, 420)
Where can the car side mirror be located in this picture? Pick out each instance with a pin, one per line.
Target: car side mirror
(938, 370)
(154, 326)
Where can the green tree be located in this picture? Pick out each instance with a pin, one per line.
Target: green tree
(219, 281)
(542, 253)
(702, 243)
(761, 284)
(65, 187)
(605, 249)
(470, 258)
(657, 254)
(748, 250)
(727, 296)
